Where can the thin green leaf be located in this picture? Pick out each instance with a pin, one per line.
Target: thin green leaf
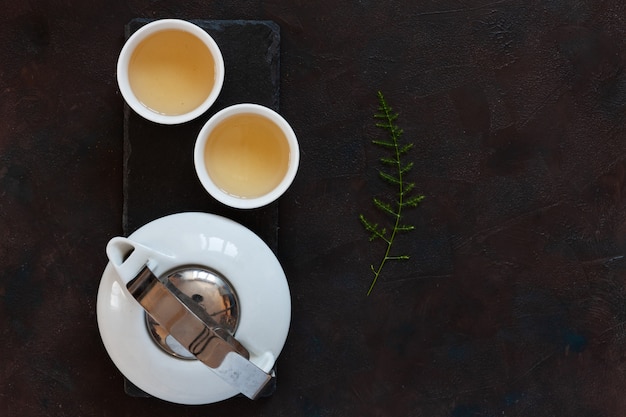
(390, 178)
(384, 143)
(408, 188)
(406, 168)
(414, 201)
(399, 258)
(385, 126)
(405, 228)
(386, 207)
(365, 222)
(389, 161)
(404, 149)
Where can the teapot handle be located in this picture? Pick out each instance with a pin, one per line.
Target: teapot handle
(129, 257)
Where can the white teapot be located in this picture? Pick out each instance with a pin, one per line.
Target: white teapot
(206, 288)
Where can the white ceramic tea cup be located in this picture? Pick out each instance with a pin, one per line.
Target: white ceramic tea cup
(246, 156)
(154, 78)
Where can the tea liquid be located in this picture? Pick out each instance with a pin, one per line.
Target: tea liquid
(172, 72)
(247, 155)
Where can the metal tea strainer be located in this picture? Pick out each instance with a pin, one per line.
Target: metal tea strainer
(192, 313)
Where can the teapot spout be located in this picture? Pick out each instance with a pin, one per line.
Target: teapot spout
(129, 257)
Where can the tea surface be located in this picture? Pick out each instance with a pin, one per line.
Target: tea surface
(247, 155)
(172, 72)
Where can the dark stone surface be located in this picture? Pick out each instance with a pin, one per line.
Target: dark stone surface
(514, 300)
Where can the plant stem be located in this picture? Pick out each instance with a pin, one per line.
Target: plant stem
(394, 137)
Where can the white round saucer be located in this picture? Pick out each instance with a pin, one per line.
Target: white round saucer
(239, 255)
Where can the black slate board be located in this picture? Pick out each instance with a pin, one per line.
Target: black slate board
(159, 177)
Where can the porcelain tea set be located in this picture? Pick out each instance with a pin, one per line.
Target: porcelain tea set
(194, 308)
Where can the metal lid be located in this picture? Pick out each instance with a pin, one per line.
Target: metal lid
(212, 292)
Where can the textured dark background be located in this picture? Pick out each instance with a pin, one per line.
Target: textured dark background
(514, 300)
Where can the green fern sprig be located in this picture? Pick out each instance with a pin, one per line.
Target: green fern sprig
(395, 176)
